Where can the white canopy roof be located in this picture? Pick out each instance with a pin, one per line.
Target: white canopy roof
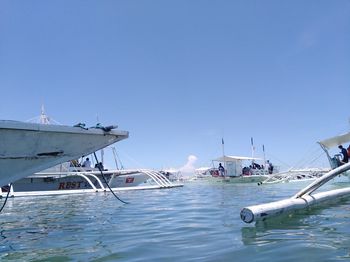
(235, 158)
(335, 141)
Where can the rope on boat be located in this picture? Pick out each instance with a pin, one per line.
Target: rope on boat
(105, 180)
(7, 196)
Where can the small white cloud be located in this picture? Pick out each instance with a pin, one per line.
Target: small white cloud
(189, 166)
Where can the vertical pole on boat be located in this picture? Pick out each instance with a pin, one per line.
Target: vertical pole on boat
(115, 155)
(264, 155)
(253, 148)
(223, 154)
(264, 158)
(102, 156)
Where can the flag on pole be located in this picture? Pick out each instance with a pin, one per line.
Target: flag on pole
(222, 141)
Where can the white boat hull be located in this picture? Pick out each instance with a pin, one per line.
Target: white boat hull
(27, 148)
(56, 183)
(239, 179)
(73, 182)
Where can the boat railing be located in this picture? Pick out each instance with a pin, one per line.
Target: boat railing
(157, 177)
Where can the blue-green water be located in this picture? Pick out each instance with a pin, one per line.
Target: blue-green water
(199, 222)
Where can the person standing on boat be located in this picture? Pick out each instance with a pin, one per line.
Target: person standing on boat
(348, 149)
(344, 154)
(269, 167)
(221, 170)
(87, 163)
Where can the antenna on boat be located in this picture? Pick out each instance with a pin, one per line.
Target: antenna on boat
(43, 118)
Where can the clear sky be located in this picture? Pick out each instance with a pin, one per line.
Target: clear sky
(179, 75)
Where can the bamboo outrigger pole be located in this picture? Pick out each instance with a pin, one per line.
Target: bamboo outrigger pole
(300, 200)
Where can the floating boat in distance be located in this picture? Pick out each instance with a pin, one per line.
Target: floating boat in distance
(27, 148)
(240, 169)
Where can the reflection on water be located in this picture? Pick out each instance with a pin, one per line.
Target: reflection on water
(320, 234)
(199, 222)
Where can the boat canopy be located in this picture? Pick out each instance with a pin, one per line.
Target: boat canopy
(335, 141)
(235, 158)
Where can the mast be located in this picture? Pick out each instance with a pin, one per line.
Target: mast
(44, 119)
(223, 154)
(264, 155)
(253, 149)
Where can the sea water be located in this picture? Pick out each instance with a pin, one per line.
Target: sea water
(198, 222)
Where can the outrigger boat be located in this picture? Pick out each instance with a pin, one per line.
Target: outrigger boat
(67, 180)
(237, 172)
(306, 197)
(240, 169)
(27, 148)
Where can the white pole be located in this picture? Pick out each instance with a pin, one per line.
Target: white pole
(302, 199)
(253, 149)
(322, 180)
(264, 155)
(223, 153)
(286, 206)
(102, 156)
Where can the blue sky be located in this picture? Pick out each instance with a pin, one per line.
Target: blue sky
(180, 75)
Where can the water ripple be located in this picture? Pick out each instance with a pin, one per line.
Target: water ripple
(199, 222)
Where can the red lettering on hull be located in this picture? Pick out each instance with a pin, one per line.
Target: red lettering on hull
(69, 185)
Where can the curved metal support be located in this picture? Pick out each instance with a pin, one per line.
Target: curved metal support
(159, 178)
(111, 179)
(155, 178)
(322, 180)
(163, 178)
(98, 180)
(87, 179)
